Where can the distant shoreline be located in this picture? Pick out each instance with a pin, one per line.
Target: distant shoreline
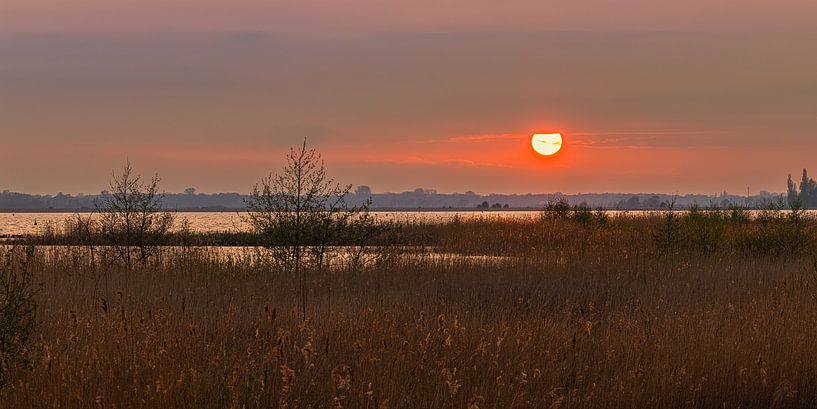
(397, 209)
(376, 210)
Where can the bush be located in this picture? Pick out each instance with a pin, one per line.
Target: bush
(581, 214)
(703, 231)
(17, 312)
(739, 215)
(786, 236)
(666, 235)
(556, 210)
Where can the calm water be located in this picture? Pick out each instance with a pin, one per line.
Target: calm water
(35, 223)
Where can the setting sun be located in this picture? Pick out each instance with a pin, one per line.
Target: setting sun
(546, 144)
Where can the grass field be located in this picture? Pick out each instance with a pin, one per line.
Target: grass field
(709, 309)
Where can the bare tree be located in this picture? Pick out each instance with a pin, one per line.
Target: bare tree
(298, 212)
(132, 222)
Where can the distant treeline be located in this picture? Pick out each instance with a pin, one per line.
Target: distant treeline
(806, 195)
(427, 199)
(11, 201)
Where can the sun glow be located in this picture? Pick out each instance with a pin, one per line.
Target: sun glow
(546, 144)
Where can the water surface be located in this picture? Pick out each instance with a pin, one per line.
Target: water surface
(37, 223)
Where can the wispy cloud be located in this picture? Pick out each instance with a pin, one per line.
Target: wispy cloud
(418, 160)
(637, 139)
(599, 139)
(487, 137)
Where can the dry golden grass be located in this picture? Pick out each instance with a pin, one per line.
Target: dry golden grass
(569, 316)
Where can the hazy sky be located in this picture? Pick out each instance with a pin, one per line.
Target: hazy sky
(651, 95)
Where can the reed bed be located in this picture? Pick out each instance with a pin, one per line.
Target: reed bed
(562, 314)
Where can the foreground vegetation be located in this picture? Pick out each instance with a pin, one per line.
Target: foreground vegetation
(704, 309)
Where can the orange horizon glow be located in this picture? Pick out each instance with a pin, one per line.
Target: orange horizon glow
(212, 94)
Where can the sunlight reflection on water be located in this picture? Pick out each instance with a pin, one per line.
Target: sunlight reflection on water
(36, 223)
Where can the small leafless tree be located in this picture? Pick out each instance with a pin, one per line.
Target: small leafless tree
(298, 212)
(131, 220)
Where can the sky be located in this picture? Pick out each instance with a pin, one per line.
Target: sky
(650, 95)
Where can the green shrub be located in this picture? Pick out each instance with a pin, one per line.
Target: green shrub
(556, 210)
(17, 312)
(703, 231)
(582, 214)
(778, 233)
(666, 235)
(600, 217)
(739, 215)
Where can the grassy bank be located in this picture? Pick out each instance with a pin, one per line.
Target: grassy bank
(710, 309)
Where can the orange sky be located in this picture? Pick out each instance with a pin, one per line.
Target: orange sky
(652, 96)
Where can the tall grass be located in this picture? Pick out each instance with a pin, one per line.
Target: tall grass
(468, 314)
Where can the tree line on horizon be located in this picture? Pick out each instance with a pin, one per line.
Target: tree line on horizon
(416, 199)
(806, 195)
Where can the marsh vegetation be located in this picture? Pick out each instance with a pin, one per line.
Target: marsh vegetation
(704, 309)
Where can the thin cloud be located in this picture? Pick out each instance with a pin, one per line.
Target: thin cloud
(636, 139)
(486, 137)
(613, 133)
(417, 160)
(600, 139)
(468, 138)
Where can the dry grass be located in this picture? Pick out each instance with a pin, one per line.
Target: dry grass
(569, 316)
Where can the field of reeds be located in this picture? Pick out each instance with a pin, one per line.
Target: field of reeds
(576, 310)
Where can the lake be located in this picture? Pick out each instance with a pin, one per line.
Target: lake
(35, 223)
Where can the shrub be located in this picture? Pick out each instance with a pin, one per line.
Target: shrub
(556, 210)
(739, 215)
(17, 312)
(581, 214)
(600, 217)
(667, 232)
(703, 231)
